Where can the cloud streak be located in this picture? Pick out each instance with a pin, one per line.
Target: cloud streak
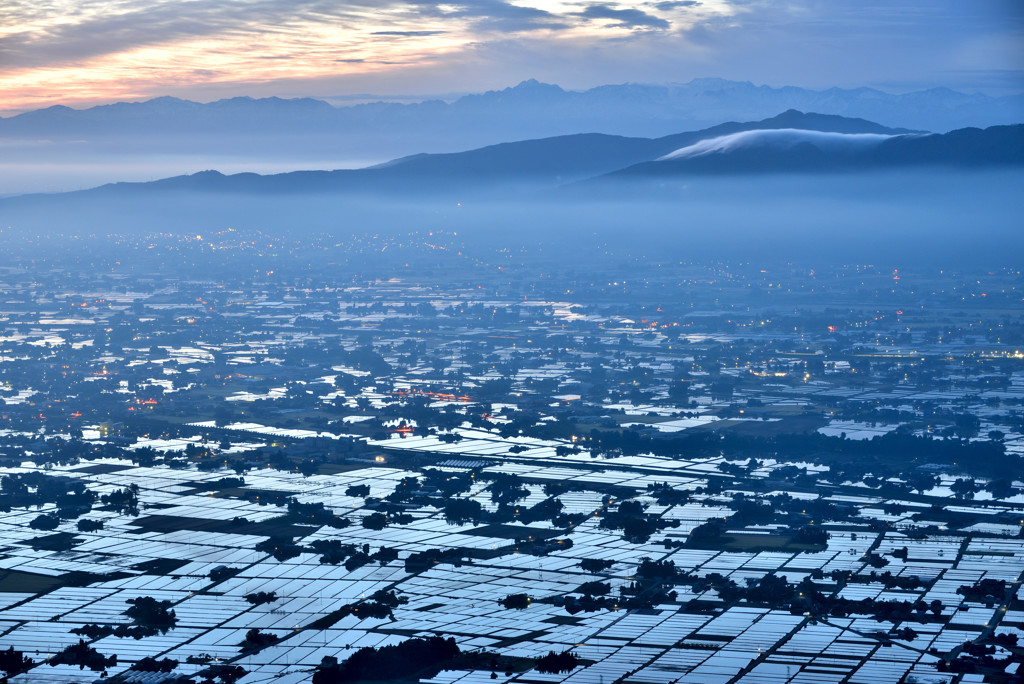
(407, 34)
(625, 18)
(778, 139)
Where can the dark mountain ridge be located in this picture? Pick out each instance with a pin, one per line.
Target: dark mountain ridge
(997, 146)
(535, 163)
(582, 180)
(817, 179)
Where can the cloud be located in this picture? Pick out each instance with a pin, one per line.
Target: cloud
(676, 4)
(624, 18)
(779, 139)
(368, 61)
(45, 34)
(494, 15)
(408, 33)
(48, 36)
(98, 50)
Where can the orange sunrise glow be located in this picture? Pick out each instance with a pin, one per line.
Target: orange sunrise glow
(93, 52)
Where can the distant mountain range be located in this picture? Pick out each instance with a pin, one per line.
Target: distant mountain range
(528, 110)
(59, 148)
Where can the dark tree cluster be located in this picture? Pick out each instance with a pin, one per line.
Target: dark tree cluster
(462, 511)
(281, 548)
(14, 662)
(221, 674)
(84, 656)
(380, 605)
(317, 513)
(94, 631)
(595, 564)
(555, 663)
(87, 525)
(446, 484)
(378, 521)
(423, 560)
(361, 491)
(636, 526)
(149, 618)
(35, 489)
(258, 598)
(255, 640)
(585, 603)
(150, 664)
(387, 662)
(887, 453)
(986, 591)
(222, 483)
(147, 611)
(515, 602)
(124, 501)
(507, 489)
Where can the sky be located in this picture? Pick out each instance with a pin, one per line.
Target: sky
(86, 52)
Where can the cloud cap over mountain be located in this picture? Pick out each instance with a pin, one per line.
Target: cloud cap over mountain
(779, 139)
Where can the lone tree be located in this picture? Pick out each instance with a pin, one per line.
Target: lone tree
(361, 491)
(258, 598)
(255, 640)
(45, 522)
(595, 564)
(515, 602)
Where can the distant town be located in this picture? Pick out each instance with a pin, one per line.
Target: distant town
(242, 457)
